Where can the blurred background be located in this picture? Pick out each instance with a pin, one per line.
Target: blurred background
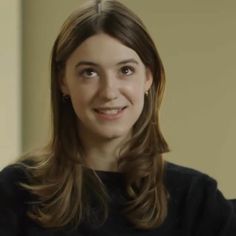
(197, 43)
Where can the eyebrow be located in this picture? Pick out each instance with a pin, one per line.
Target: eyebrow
(95, 64)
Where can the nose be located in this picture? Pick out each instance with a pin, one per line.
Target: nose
(109, 88)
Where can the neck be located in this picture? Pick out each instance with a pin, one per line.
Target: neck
(101, 154)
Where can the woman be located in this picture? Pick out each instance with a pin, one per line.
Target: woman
(103, 171)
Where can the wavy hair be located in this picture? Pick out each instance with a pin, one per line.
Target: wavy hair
(58, 177)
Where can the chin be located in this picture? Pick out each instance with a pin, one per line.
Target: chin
(111, 135)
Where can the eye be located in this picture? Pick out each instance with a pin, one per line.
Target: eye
(127, 70)
(88, 73)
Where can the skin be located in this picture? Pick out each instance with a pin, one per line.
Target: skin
(102, 72)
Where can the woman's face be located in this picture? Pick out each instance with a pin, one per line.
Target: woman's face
(106, 82)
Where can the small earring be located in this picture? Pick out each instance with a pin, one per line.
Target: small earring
(65, 97)
(146, 92)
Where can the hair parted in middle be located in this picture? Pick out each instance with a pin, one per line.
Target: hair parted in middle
(62, 184)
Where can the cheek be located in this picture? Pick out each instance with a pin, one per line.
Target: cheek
(78, 100)
(135, 95)
(136, 92)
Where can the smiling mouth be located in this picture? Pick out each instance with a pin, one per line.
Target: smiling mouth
(110, 110)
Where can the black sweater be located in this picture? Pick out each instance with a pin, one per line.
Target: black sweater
(196, 207)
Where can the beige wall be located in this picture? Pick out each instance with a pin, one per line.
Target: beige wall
(197, 42)
(10, 109)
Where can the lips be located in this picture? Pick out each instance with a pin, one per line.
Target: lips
(109, 113)
(109, 110)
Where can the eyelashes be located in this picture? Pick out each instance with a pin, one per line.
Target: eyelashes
(88, 73)
(91, 72)
(127, 70)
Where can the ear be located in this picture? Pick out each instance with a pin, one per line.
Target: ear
(63, 86)
(149, 79)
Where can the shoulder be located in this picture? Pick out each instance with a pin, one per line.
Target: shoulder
(173, 169)
(190, 187)
(184, 178)
(14, 199)
(195, 197)
(192, 190)
(10, 179)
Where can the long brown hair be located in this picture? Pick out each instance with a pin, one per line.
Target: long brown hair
(59, 180)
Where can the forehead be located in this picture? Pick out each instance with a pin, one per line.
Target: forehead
(103, 49)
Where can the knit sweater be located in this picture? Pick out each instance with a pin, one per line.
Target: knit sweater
(196, 207)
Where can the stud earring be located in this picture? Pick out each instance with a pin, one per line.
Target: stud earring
(146, 92)
(65, 98)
